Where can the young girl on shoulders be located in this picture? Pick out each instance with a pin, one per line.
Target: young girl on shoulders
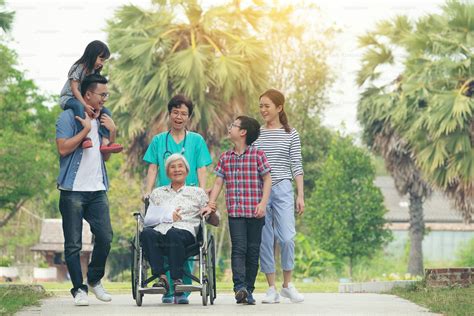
(91, 62)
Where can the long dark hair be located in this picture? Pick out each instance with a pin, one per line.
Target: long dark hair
(278, 99)
(93, 50)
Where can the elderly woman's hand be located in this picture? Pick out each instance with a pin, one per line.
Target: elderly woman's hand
(212, 205)
(176, 216)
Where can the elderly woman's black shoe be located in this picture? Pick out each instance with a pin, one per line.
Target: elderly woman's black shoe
(163, 282)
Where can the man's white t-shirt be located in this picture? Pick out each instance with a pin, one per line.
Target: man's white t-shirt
(89, 175)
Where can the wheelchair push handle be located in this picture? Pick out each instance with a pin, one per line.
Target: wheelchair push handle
(146, 201)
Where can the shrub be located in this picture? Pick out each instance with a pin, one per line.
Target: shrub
(5, 261)
(310, 260)
(465, 255)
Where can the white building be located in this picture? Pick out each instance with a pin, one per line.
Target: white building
(445, 231)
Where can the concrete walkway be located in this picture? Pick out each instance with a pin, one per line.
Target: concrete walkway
(315, 304)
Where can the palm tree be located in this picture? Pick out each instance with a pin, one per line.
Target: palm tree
(399, 162)
(428, 108)
(177, 47)
(379, 133)
(434, 108)
(439, 71)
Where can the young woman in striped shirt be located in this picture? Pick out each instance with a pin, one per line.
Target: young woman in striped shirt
(282, 145)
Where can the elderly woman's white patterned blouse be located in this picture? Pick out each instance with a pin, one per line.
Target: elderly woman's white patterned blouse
(188, 199)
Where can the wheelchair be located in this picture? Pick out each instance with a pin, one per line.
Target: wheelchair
(203, 251)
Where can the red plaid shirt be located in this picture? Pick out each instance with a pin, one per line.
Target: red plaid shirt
(243, 179)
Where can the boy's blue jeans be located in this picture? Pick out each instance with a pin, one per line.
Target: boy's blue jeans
(245, 236)
(78, 109)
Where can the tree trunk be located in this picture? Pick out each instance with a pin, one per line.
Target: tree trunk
(417, 230)
(4, 221)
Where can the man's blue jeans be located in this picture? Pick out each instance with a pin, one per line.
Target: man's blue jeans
(94, 208)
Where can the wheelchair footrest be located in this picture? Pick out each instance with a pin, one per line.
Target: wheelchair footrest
(153, 290)
(188, 288)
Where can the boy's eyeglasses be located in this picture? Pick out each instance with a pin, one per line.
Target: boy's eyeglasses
(234, 125)
(104, 95)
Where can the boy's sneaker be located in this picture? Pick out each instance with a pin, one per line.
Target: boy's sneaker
(250, 299)
(292, 293)
(99, 292)
(181, 299)
(241, 296)
(272, 296)
(167, 299)
(80, 299)
(111, 148)
(86, 143)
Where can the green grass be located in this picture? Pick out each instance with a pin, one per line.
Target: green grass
(448, 301)
(15, 297)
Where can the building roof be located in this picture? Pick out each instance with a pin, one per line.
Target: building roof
(52, 238)
(437, 209)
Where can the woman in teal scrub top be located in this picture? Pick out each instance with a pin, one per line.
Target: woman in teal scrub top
(193, 147)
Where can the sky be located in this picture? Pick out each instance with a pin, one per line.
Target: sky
(49, 36)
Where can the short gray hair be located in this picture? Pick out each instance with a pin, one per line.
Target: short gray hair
(173, 158)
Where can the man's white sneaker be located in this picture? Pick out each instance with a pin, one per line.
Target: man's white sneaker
(292, 293)
(272, 296)
(80, 299)
(99, 292)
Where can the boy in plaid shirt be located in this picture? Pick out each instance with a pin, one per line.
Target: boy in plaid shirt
(246, 173)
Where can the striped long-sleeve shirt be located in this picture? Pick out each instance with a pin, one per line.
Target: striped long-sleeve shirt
(283, 151)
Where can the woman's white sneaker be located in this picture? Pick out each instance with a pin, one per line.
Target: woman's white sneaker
(99, 292)
(80, 299)
(292, 293)
(272, 296)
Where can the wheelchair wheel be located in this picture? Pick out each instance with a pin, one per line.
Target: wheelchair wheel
(136, 270)
(205, 278)
(138, 297)
(211, 269)
(133, 265)
(204, 292)
(143, 269)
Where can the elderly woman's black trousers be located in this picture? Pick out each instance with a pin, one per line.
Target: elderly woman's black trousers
(156, 246)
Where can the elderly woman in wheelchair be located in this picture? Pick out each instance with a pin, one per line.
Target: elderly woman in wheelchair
(171, 226)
